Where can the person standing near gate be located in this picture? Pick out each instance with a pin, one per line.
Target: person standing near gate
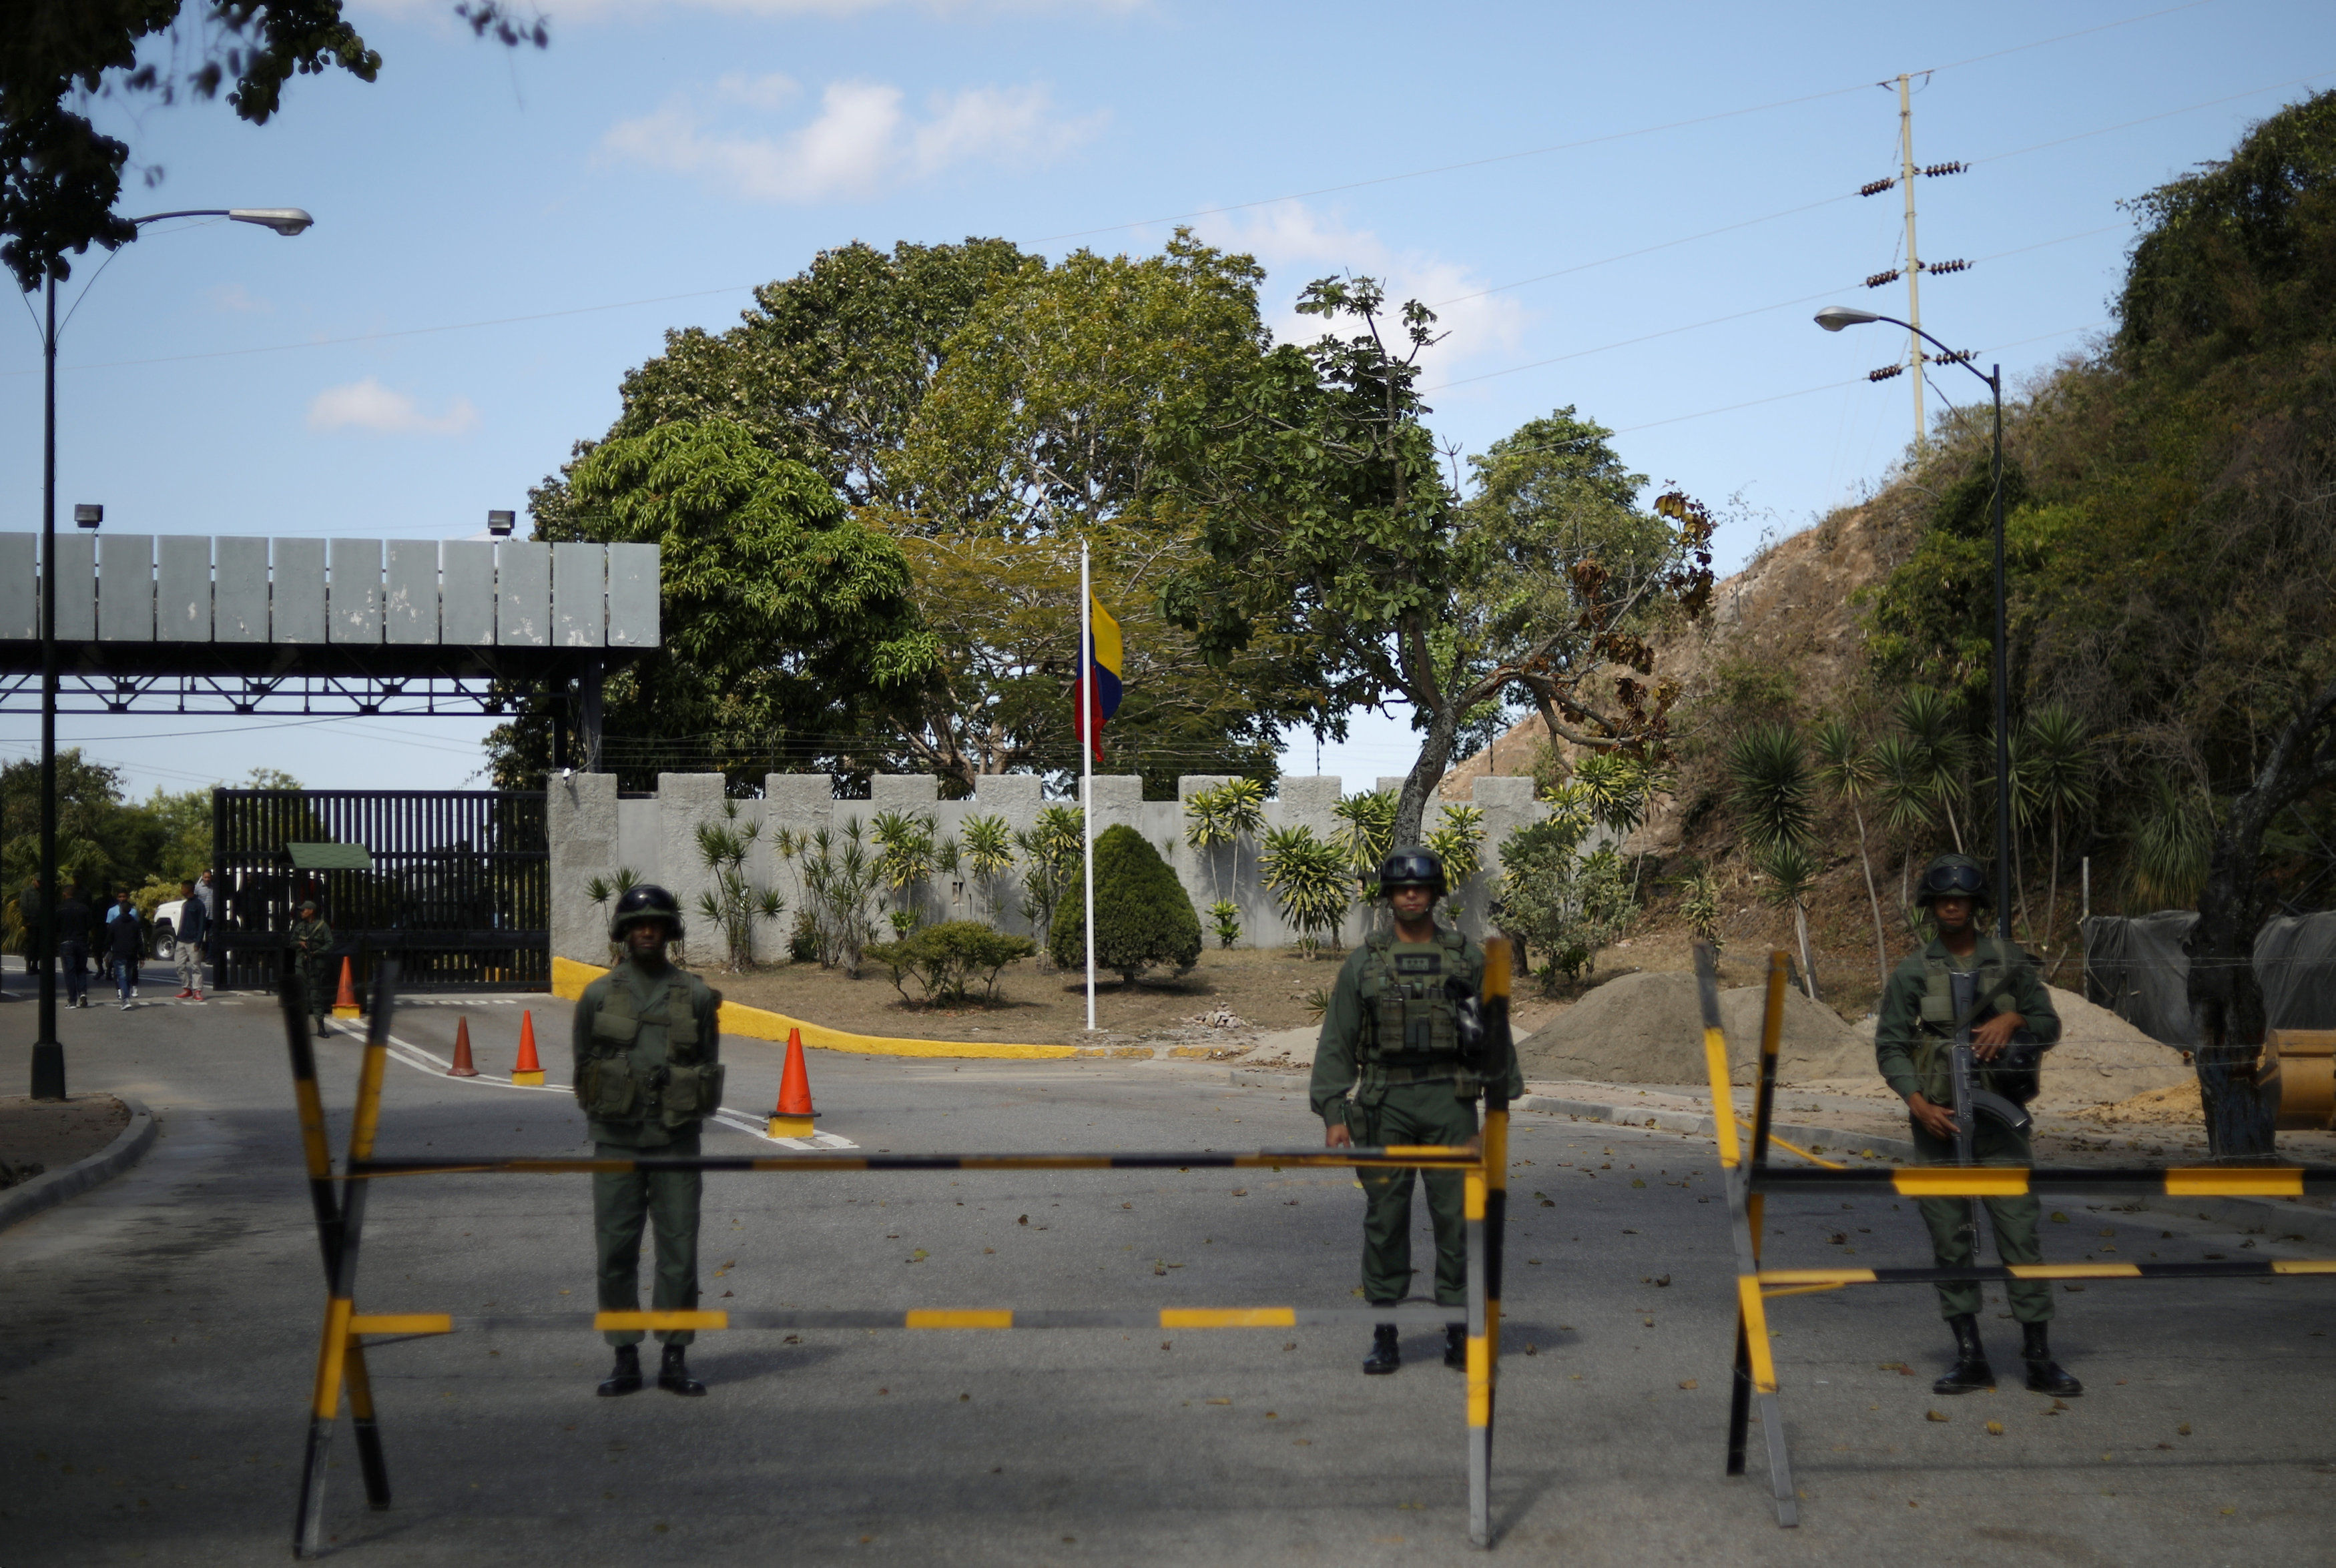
(312, 947)
(73, 921)
(1913, 1044)
(647, 1048)
(1396, 1034)
(125, 945)
(188, 941)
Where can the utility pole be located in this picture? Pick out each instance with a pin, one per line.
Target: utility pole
(1915, 266)
(1914, 256)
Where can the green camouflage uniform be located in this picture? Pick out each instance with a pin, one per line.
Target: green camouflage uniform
(1912, 1045)
(1393, 1048)
(648, 1070)
(312, 947)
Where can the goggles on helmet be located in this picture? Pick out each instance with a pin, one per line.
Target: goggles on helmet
(1943, 881)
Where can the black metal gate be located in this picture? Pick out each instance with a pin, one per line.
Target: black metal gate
(460, 889)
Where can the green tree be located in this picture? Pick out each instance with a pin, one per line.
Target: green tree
(103, 840)
(1309, 880)
(787, 624)
(61, 177)
(1331, 529)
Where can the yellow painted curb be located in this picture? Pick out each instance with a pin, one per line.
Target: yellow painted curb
(569, 978)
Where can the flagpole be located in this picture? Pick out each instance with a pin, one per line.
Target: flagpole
(1086, 761)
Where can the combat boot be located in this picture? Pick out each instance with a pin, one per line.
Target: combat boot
(625, 1377)
(2043, 1375)
(1971, 1371)
(1455, 1346)
(1387, 1351)
(674, 1376)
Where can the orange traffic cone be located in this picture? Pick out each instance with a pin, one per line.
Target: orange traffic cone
(793, 1118)
(529, 1070)
(345, 1004)
(461, 1067)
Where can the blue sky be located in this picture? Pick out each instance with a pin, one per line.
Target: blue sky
(1632, 210)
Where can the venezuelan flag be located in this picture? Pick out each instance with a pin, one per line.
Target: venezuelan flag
(1102, 675)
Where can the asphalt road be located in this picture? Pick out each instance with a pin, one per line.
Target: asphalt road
(158, 1336)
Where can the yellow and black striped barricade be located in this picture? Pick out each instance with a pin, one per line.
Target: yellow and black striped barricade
(1750, 1178)
(340, 1358)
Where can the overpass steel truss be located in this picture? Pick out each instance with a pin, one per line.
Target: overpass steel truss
(341, 1363)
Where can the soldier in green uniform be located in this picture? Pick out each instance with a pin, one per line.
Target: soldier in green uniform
(647, 1064)
(1913, 1044)
(1393, 1035)
(312, 943)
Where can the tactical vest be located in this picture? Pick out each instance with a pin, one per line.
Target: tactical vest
(681, 1091)
(2013, 1075)
(1410, 1030)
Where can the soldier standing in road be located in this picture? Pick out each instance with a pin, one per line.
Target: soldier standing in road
(647, 1048)
(1913, 1043)
(1396, 1033)
(312, 945)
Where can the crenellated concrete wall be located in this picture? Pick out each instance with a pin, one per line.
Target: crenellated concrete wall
(594, 832)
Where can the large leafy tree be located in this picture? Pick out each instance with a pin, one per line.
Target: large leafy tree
(1041, 431)
(1330, 529)
(788, 623)
(61, 177)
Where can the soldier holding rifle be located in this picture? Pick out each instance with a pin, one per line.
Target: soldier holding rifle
(1964, 1023)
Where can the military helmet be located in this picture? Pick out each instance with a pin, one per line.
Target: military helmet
(1417, 866)
(644, 901)
(1952, 876)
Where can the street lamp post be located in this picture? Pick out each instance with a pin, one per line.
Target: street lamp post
(48, 1053)
(1832, 318)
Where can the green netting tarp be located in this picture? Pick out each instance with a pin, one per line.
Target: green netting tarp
(330, 857)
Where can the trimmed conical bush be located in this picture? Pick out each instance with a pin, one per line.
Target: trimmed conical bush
(1144, 920)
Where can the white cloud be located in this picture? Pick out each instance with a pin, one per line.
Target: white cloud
(861, 144)
(235, 297)
(1297, 244)
(367, 405)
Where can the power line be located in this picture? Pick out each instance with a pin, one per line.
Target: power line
(1598, 140)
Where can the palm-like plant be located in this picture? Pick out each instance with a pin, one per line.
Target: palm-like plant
(905, 854)
(838, 876)
(1458, 840)
(733, 903)
(1942, 750)
(1221, 816)
(988, 851)
(2171, 846)
(1849, 770)
(1769, 769)
(2058, 756)
(1309, 880)
(1366, 836)
(1792, 871)
(1051, 853)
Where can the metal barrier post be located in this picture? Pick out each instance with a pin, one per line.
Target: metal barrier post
(1756, 1368)
(340, 1356)
(1487, 1212)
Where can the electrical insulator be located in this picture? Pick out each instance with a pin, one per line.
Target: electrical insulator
(1946, 266)
(1878, 278)
(1876, 186)
(1886, 372)
(1960, 356)
(1935, 169)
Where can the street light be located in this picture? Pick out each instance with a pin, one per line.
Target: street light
(1832, 318)
(48, 1054)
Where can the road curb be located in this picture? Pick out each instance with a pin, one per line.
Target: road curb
(51, 1188)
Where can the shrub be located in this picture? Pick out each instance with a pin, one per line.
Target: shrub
(1226, 915)
(1143, 917)
(944, 958)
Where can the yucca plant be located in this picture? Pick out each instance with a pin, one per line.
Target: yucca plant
(988, 851)
(1309, 880)
(1850, 771)
(838, 876)
(1769, 770)
(2058, 755)
(1792, 871)
(1458, 840)
(733, 903)
(1224, 917)
(2171, 846)
(1052, 851)
(905, 854)
(1365, 835)
(1699, 906)
(1940, 750)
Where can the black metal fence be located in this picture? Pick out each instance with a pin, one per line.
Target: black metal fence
(459, 888)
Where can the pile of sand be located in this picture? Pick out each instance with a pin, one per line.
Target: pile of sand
(2179, 1106)
(1649, 1029)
